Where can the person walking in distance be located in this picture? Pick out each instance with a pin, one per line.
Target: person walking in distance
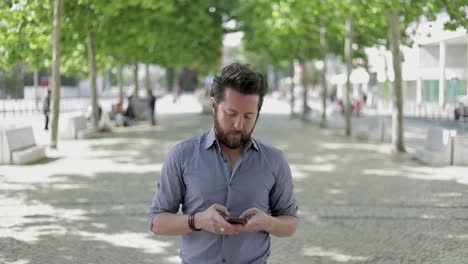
(152, 104)
(46, 109)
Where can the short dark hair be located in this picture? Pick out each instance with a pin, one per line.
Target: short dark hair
(240, 78)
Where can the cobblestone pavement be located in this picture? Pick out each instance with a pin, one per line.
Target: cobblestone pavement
(358, 203)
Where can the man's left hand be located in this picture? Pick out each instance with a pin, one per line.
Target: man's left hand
(257, 220)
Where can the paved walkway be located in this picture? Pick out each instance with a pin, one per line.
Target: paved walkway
(358, 204)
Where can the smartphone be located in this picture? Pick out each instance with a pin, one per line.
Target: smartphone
(236, 220)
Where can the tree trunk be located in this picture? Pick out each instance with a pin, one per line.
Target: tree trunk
(18, 74)
(92, 80)
(386, 84)
(292, 99)
(177, 86)
(56, 35)
(3, 86)
(135, 80)
(323, 53)
(276, 77)
(305, 92)
(348, 57)
(170, 76)
(120, 81)
(397, 115)
(147, 78)
(36, 86)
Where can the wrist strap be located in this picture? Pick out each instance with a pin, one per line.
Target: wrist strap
(191, 222)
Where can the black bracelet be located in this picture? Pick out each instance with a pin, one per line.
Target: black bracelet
(191, 222)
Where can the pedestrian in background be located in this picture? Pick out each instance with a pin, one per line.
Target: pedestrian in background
(151, 104)
(46, 109)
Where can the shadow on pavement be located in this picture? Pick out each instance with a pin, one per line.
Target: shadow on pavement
(358, 203)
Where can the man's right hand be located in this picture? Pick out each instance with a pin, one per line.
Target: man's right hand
(212, 220)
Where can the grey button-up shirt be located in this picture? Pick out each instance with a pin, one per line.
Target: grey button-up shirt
(196, 174)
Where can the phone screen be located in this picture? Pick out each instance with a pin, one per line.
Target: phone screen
(236, 220)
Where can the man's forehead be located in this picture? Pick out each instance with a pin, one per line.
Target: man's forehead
(239, 102)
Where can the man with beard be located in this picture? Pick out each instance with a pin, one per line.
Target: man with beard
(226, 173)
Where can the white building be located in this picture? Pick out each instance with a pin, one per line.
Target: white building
(434, 64)
(442, 68)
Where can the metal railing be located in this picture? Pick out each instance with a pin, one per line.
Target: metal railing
(426, 110)
(25, 107)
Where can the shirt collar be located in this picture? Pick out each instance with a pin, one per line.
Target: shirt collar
(211, 139)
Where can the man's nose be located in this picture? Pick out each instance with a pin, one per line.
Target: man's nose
(239, 123)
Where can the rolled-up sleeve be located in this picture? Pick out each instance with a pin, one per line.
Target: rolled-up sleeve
(282, 200)
(170, 190)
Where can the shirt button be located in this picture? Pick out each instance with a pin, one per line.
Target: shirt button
(223, 260)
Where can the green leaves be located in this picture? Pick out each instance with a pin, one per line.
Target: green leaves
(289, 29)
(188, 33)
(456, 9)
(165, 32)
(24, 30)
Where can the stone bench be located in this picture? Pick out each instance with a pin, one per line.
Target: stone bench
(438, 147)
(105, 125)
(141, 109)
(460, 150)
(336, 120)
(18, 146)
(87, 133)
(73, 124)
(375, 129)
(205, 100)
(206, 105)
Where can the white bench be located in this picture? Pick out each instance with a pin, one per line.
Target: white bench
(18, 146)
(205, 100)
(72, 126)
(104, 125)
(87, 133)
(438, 147)
(141, 109)
(460, 150)
(376, 129)
(336, 120)
(206, 105)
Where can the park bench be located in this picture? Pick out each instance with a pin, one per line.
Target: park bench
(18, 146)
(376, 129)
(438, 147)
(86, 133)
(73, 124)
(336, 120)
(141, 109)
(205, 100)
(460, 150)
(104, 125)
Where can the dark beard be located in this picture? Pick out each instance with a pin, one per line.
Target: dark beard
(223, 138)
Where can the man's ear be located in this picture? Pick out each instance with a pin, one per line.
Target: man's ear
(213, 104)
